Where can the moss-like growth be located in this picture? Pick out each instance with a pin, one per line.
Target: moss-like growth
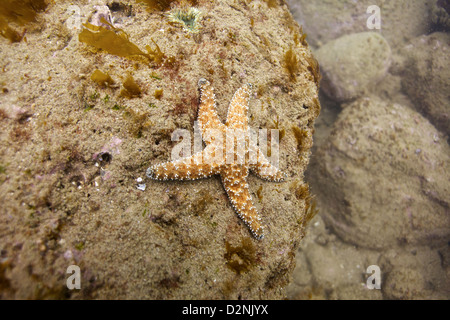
(242, 257)
(310, 209)
(155, 76)
(313, 68)
(130, 88)
(282, 132)
(290, 63)
(102, 79)
(303, 138)
(21, 11)
(200, 205)
(138, 122)
(79, 246)
(9, 33)
(302, 192)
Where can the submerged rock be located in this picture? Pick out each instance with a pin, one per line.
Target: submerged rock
(353, 64)
(426, 77)
(381, 178)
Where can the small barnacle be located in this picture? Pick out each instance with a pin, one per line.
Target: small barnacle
(188, 17)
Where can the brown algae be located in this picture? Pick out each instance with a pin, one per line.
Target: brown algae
(19, 12)
(115, 41)
(102, 79)
(130, 88)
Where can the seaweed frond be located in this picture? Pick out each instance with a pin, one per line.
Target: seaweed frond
(101, 78)
(115, 41)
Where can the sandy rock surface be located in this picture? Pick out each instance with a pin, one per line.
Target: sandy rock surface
(72, 152)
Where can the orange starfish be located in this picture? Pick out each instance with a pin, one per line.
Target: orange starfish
(223, 157)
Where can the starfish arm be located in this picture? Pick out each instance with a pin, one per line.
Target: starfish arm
(189, 168)
(207, 116)
(263, 168)
(234, 179)
(237, 117)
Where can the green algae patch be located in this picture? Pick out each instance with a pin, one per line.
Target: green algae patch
(115, 41)
(19, 12)
(101, 78)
